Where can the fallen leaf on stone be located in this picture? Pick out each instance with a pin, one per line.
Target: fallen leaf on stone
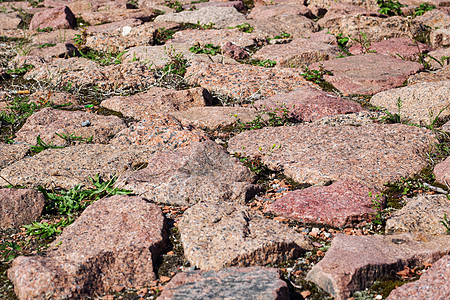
(164, 279)
(305, 294)
(281, 219)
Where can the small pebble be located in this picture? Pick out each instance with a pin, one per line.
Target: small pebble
(86, 123)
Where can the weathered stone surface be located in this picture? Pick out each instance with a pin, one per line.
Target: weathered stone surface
(375, 28)
(338, 10)
(218, 37)
(442, 55)
(54, 37)
(420, 103)
(299, 53)
(73, 165)
(372, 154)
(57, 98)
(367, 74)
(309, 104)
(244, 81)
(48, 122)
(214, 117)
(343, 203)
(19, 207)
(126, 37)
(239, 5)
(297, 26)
(113, 244)
(234, 51)
(368, 4)
(440, 38)
(55, 18)
(355, 119)
(9, 21)
(113, 27)
(12, 153)
(229, 283)
(442, 172)
(164, 133)
(157, 100)
(440, 75)
(83, 72)
(405, 47)
(201, 171)
(421, 214)
(353, 263)
(269, 11)
(217, 235)
(435, 18)
(433, 284)
(115, 15)
(220, 16)
(59, 50)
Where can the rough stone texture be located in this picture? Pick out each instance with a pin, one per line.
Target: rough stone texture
(157, 100)
(73, 165)
(353, 263)
(19, 207)
(12, 153)
(244, 81)
(218, 37)
(9, 21)
(375, 28)
(56, 18)
(297, 26)
(440, 38)
(421, 103)
(217, 235)
(201, 171)
(164, 133)
(239, 5)
(441, 54)
(126, 37)
(440, 75)
(368, 4)
(220, 16)
(338, 10)
(59, 50)
(343, 203)
(57, 98)
(442, 172)
(48, 122)
(115, 15)
(372, 154)
(433, 284)
(435, 18)
(215, 117)
(229, 283)
(299, 53)
(83, 72)
(234, 51)
(405, 47)
(54, 37)
(114, 26)
(421, 214)
(356, 119)
(113, 244)
(309, 104)
(269, 11)
(367, 74)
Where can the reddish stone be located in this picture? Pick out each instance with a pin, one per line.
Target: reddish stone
(233, 51)
(343, 203)
(59, 17)
(309, 104)
(19, 207)
(269, 11)
(442, 172)
(404, 47)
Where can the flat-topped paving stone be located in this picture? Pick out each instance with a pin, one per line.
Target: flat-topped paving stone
(48, 123)
(265, 12)
(220, 16)
(396, 47)
(296, 25)
(126, 37)
(367, 74)
(420, 214)
(343, 203)
(435, 18)
(217, 37)
(245, 81)
(433, 284)
(440, 38)
(218, 235)
(229, 283)
(355, 119)
(112, 245)
(371, 154)
(239, 5)
(67, 167)
(81, 72)
(159, 132)
(425, 77)
(10, 153)
(421, 103)
(198, 172)
(215, 117)
(367, 4)
(54, 37)
(56, 98)
(338, 10)
(308, 104)
(9, 21)
(118, 14)
(157, 100)
(301, 52)
(442, 171)
(353, 263)
(113, 26)
(55, 18)
(19, 207)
